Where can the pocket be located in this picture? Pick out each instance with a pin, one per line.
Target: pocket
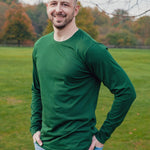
(37, 147)
(98, 148)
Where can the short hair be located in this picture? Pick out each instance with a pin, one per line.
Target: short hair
(75, 1)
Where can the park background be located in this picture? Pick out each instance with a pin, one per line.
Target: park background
(128, 39)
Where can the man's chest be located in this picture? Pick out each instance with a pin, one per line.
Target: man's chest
(61, 64)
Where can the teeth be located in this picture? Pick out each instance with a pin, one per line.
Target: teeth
(59, 15)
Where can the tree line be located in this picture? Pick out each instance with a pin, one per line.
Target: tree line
(24, 24)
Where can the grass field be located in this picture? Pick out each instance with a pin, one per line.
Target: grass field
(15, 99)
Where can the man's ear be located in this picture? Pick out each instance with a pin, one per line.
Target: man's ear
(77, 8)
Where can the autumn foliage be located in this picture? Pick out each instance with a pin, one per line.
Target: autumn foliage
(26, 23)
(3, 8)
(18, 25)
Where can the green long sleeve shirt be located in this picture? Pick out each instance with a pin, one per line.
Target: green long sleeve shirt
(66, 81)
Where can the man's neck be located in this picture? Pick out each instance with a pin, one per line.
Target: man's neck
(65, 33)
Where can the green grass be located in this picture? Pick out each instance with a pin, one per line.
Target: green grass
(15, 99)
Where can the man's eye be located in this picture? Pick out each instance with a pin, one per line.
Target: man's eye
(53, 4)
(65, 4)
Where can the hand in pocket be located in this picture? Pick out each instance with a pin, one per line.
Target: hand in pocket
(96, 145)
(36, 138)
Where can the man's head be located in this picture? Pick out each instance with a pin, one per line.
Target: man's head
(62, 12)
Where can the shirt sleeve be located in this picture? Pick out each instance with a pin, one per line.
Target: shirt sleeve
(105, 68)
(36, 106)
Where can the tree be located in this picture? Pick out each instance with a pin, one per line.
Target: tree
(18, 25)
(3, 8)
(85, 21)
(120, 17)
(136, 7)
(9, 1)
(102, 21)
(141, 28)
(37, 14)
(49, 28)
(101, 18)
(122, 38)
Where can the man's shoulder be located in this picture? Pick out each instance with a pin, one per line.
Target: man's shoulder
(84, 41)
(87, 43)
(44, 39)
(85, 37)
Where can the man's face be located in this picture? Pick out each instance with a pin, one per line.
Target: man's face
(61, 12)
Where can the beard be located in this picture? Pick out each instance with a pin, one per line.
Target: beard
(63, 23)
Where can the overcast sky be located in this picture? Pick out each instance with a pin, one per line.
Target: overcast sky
(109, 6)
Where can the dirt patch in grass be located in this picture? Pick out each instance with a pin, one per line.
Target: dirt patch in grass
(13, 101)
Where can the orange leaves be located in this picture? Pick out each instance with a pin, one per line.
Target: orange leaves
(18, 25)
(85, 21)
(132, 132)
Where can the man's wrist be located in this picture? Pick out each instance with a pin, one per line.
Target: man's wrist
(99, 139)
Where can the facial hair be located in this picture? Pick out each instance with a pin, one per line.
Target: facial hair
(65, 22)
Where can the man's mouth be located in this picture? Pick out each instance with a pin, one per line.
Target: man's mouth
(60, 15)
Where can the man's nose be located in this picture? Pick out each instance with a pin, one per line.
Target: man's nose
(58, 8)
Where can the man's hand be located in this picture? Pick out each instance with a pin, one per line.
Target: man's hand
(95, 143)
(36, 138)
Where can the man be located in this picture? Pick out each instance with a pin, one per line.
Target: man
(68, 69)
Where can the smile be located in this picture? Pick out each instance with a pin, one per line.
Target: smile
(59, 15)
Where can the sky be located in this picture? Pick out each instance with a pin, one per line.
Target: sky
(134, 7)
